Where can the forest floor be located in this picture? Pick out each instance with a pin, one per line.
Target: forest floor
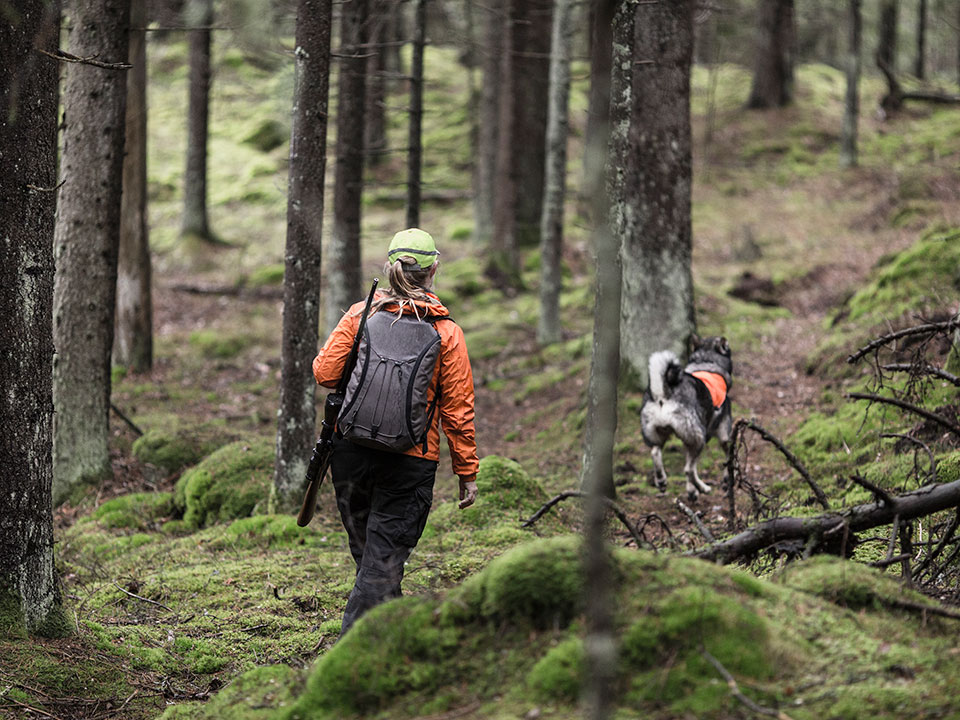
(166, 618)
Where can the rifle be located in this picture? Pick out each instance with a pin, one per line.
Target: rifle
(320, 460)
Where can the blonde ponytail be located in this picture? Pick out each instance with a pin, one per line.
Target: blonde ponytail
(408, 285)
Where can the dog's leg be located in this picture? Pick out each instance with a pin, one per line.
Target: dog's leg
(694, 484)
(659, 473)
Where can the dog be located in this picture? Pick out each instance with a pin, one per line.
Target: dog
(690, 402)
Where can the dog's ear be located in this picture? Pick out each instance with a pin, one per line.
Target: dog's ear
(693, 342)
(724, 346)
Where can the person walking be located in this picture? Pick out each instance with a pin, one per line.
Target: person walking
(412, 375)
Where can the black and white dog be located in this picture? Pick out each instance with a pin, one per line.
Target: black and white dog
(690, 402)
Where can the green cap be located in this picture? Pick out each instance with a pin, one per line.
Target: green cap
(417, 244)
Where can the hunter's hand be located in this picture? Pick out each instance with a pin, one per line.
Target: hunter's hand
(468, 493)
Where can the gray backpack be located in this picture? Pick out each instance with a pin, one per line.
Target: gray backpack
(385, 406)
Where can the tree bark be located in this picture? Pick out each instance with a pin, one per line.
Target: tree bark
(488, 137)
(375, 134)
(343, 276)
(133, 341)
(523, 122)
(848, 139)
(29, 595)
(598, 109)
(830, 527)
(86, 242)
(887, 44)
(919, 67)
(776, 44)
(195, 220)
(551, 223)
(296, 423)
(651, 200)
(414, 141)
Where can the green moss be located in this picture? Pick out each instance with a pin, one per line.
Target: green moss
(135, 511)
(558, 675)
(266, 275)
(268, 135)
(231, 483)
(254, 695)
(172, 451)
(217, 344)
(11, 614)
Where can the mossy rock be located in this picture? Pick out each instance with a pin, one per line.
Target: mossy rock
(172, 451)
(558, 675)
(233, 482)
(266, 275)
(136, 511)
(217, 344)
(394, 649)
(254, 695)
(268, 135)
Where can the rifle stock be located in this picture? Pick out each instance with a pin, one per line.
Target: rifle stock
(320, 460)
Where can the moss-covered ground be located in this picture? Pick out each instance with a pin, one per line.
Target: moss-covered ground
(189, 600)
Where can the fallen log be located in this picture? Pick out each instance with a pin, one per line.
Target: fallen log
(830, 526)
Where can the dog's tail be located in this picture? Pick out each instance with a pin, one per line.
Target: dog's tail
(665, 374)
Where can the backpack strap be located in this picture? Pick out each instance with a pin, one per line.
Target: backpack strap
(433, 320)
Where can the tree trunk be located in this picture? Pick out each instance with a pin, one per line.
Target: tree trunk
(551, 224)
(522, 140)
(86, 242)
(776, 44)
(343, 276)
(301, 280)
(920, 64)
(887, 44)
(29, 594)
(848, 141)
(598, 110)
(133, 341)
(651, 200)
(488, 137)
(414, 142)
(375, 134)
(195, 222)
(395, 38)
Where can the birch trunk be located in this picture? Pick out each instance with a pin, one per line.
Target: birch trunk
(133, 341)
(551, 224)
(773, 69)
(848, 140)
(86, 243)
(195, 220)
(29, 595)
(651, 200)
(343, 276)
(296, 423)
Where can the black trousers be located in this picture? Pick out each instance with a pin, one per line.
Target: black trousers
(384, 499)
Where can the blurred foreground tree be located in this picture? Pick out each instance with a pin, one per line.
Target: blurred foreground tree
(133, 340)
(199, 19)
(301, 279)
(848, 139)
(524, 81)
(29, 594)
(343, 271)
(86, 241)
(651, 198)
(773, 67)
(551, 223)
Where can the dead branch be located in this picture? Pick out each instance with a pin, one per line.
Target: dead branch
(896, 96)
(888, 561)
(881, 494)
(62, 56)
(132, 425)
(735, 690)
(919, 503)
(944, 540)
(926, 329)
(695, 519)
(141, 598)
(791, 458)
(904, 405)
(258, 293)
(923, 370)
(610, 504)
(919, 443)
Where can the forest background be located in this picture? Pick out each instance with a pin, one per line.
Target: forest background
(185, 597)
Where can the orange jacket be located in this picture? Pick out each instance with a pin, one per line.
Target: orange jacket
(453, 368)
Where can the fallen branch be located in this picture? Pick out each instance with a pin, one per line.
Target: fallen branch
(944, 540)
(923, 370)
(878, 492)
(119, 413)
(920, 443)
(141, 598)
(927, 329)
(735, 690)
(610, 504)
(925, 501)
(695, 519)
(258, 293)
(904, 405)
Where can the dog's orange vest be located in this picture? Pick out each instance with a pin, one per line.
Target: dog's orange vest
(715, 384)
